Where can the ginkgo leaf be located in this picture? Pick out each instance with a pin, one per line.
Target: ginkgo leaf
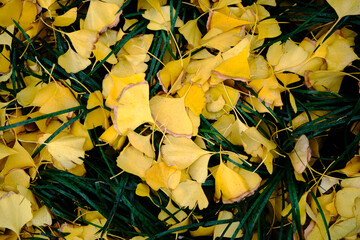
(229, 185)
(133, 161)
(46, 3)
(161, 175)
(223, 41)
(133, 109)
(83, 41)
(161, 20)
(5, 64)
(301, 154)
(227, 230)
(194, 97)
(101, 51)
(198, 170)
(344, 201)
(268, 28)
(199, 71)
(66, 150)
(302, 209)
(15, 212)
(101, 15)
(6, 151)
(73, 62)
(66, 19)
(219, 101)
(236, 67)
(191, 32)
(325, 81)
(269, 90)
(28, 17)
(119, 84)
(175, 212)
(171, 116)
(141, 143)
(171, 74)
(42, 217)
(14, 178)
(20, 159)
(224, 22)
(10, 11)
(189, 194)
(180, 151)
(345, 8)
(54, 97)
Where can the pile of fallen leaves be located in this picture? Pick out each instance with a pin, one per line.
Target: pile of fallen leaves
(157, 119)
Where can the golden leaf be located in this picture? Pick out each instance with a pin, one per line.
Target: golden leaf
(189, 194)
(66, 19)
(180, 151)
(73, 62)
(101, 15)
(133, 109)
(168, 113)
(15, 211)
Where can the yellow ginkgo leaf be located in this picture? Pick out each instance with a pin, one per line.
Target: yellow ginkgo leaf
(225, 229)
(96, 118)
(20, 159)
(199, 71)
(42, 217)
(73, 62)
(101, 51)
(189, 194)
(219, 101)
(191, 32)
(171, 116)
(301, 154)
(194, 97)
(269, 90)
(229, 185)
(224, 22)
(223, 41)
(45, 3)
(29, 15)
(302, 209)
(180, 151)
(161, 175)
(5, 65)
(15, 212)
(66, 150)
(5, 150)
(27, 94)
(268, 28)
(175, 212)
(160, 20)
(101, 15)
(133, 161)
(344, 201)
(352, 167)
(285, 56)
(236, 67)
(79, 130)
(198, 170)
(5, 38)
(325, 81)
(172, 74)
(54, 97)
(345, 8)
(83, 41)
(141, 143)
(66, 19)
(9, 11)
(142, 190)
(133, 109)
(119, 84)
